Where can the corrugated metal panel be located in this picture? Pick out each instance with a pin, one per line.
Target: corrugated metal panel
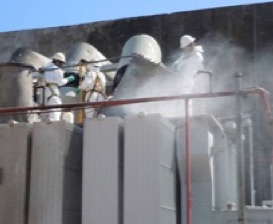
(102, 171)
(14, 153)
(148, 171)
(55, 174)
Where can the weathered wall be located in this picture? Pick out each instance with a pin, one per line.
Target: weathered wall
(250, 27)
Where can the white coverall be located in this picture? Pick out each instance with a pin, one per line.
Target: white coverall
(187, 65)
(54, 79)
(91, 95)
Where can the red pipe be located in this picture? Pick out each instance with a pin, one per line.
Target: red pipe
(126, 101)
(188, 163)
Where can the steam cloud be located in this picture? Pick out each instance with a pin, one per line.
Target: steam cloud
(222, 56)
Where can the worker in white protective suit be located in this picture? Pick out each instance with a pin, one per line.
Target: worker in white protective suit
(94, 86)
(54, 77)
(189, 63)
(186, 67)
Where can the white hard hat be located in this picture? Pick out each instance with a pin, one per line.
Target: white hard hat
(59, 56)
(186, 40)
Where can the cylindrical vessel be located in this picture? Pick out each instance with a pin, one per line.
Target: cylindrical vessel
(142, 44)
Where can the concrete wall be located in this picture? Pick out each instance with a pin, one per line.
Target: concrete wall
(248, 26)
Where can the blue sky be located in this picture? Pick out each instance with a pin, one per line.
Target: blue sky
(32, 14)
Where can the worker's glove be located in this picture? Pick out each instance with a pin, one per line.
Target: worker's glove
(70, 78)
